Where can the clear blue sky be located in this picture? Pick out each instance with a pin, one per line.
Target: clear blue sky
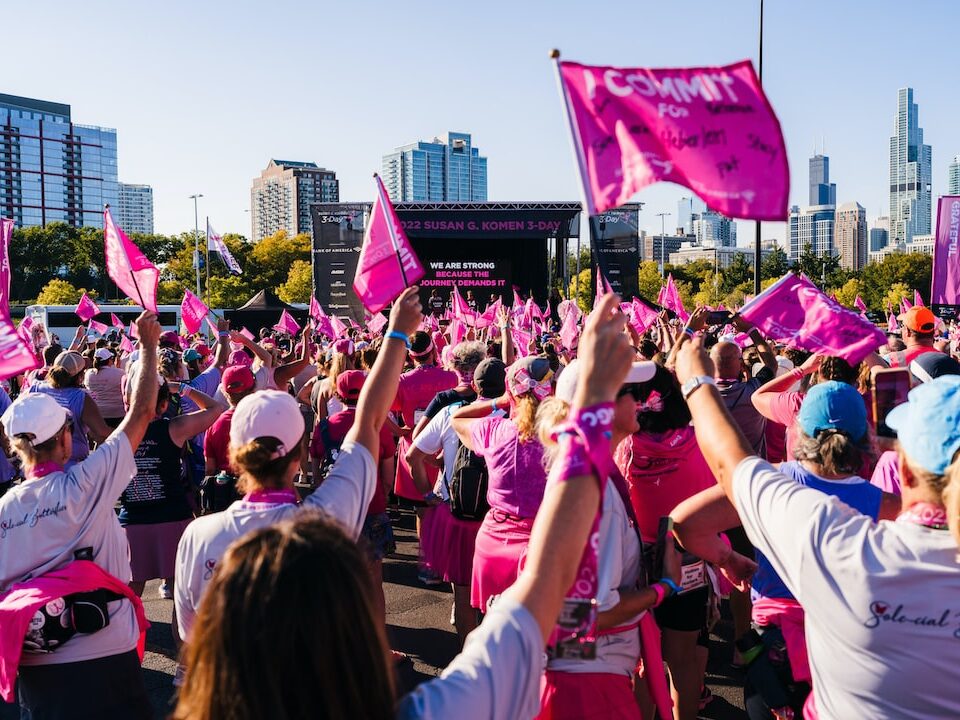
(203, 93)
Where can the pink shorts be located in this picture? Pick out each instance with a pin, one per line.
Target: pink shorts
(153, 549)
(449, 548)
(501, 544)
(579, 696)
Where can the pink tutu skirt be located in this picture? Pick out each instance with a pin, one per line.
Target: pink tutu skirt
(501, 544)
(449, 544)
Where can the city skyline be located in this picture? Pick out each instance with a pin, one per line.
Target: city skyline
(195, 109)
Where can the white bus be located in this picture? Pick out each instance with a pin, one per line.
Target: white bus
(62, 321)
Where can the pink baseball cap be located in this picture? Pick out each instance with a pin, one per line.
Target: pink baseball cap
(268, 414)
(239, 357)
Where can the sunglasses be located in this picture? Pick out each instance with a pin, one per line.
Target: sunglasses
(631, 389)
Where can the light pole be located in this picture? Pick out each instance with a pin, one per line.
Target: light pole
(196, 238)
(663, 242)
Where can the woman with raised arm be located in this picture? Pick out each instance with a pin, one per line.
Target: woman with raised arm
(877, 595)
(313, 567)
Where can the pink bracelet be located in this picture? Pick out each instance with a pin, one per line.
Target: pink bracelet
(592, 427)
(661, 594)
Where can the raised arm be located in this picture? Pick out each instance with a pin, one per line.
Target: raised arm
(143, 404)
(767, 357)
(764, 395)
(506, 337)
(381, 386)
(285, 373)
(184, 427)
(223, 344)
(265, 357)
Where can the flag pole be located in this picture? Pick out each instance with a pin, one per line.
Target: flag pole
(575, 141)
(133, 276)
(207, 246)
(391, 229)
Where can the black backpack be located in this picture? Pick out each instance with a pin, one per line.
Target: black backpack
(468, 485)
(331, 450)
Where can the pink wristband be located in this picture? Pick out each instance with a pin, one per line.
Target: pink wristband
(661, 593)
(592, 426)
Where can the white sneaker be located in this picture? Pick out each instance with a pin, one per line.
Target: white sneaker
(164, 591)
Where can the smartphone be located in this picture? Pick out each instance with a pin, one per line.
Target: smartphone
(890, 388)
(718, 317)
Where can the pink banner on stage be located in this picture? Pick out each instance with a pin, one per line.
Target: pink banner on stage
(710, 129)
(128, 267)
(945, 282)
(794, 311)
(6, 234)
(86, 308)
(387, 264)
(192, 312)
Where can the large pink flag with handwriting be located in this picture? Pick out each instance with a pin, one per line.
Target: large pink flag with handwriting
(387, 263)
(192, 312)
(128, 267)
(6, 233)
(794, 311)
(710, 129)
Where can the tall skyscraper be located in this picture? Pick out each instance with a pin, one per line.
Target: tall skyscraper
(687, 209)
(713, 230)
(281, 197)
(811, 226)
(953, 177)
(52, 169)
(447, 170)
(910, 178)
(135, 208)
(850, 235)
(822, 191)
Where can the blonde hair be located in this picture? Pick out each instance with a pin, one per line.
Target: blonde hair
(524, 416)
(551, 413)
(257, 466)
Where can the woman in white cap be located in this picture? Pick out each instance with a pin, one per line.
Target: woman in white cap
(104, 383)
(67, 510)
(880, 597)
(64, 384)
(266, 434)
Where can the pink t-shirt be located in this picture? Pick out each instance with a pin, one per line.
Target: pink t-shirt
(784, 408)
(517, 475)
(886, 475)
(662, 470)
(417, 388)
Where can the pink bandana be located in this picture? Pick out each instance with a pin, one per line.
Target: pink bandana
(520, 382)
(653, 403)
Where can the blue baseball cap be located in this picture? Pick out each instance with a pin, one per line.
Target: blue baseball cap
(928, 424)
(833, 405)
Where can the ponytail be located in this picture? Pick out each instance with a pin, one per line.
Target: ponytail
(524, 416)
(951, 499)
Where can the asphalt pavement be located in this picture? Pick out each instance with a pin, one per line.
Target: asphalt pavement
(418, 624)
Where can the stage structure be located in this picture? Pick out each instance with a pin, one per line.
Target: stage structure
(487, 248)
(615, 248)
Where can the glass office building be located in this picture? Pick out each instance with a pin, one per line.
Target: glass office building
(52, 169)
(822, 191)
(910, 177)
(953, 177)
(444, 170)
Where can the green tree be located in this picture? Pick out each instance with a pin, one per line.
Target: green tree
(649, 281)
(231, 291)
(849, 291)
(774, 265)
(579, 290)
(60, 292)
(270, 260)
(816, 267)
(896, 293)
(912, 270)
(299, 284)
(739, 271)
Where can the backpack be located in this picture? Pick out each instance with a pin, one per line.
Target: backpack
(331, 450)
(468, 485)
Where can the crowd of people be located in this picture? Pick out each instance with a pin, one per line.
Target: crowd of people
(591, 500)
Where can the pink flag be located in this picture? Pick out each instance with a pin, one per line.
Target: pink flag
(321, 319)
(521, 340)
(489, 316)
(316, 312)
(794, 311)
(672, 301)
(23, 330)
(339, 329)
(16, 355)
(98, 327)
(192, 312)
(457, 330)
(565, 306)
(126, 344)
(905, 305)
(86, 308)
(212, 326)
(387, 263)
(128, 267)
(376, 323)
(710, 129)
(287, 324)
(892, 325)
(6, 233)
(603, 287)
(247, 334)
(461, 310)
(917, 300)
(569, 332)
(945, 280)
(117, 322)
(644, 316)
(134, 333)
(859, 303)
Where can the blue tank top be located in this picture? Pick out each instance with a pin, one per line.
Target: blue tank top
(71, 400)
(861, 496)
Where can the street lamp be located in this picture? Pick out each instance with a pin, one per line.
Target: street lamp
(663, 242)
(196, 238)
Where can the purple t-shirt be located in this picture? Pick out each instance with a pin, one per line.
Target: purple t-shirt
(517, 475)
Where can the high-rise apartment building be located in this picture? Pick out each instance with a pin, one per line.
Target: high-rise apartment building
(135, 208)
(714, 230)
(52, 169)
(444, 170)
(910, 176)
(879, 234)
(953, 177)
(822, 191)
(281, 197)
(811, 226)
(850, 236)
(687, 210)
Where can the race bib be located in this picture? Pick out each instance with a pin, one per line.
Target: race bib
(693, 577)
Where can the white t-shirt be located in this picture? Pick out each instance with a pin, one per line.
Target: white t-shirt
(882, 600)
(44, 520)
(344, 496)
(496, 676)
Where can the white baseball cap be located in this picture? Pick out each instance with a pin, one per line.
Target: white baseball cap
(640, 371)
(267, 413)
(103, 354)
(35, 416)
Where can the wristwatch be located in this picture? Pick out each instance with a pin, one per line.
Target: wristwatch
(693, 383)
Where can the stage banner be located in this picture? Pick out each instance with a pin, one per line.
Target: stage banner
(945, 282)
(614, 243)
(487, 223)
(337, 238)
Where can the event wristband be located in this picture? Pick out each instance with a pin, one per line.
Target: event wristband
(223, 335)
(661, 592)
(493, 406)
(674, 588)
(689, 331)
(397, 335)
(592, 426)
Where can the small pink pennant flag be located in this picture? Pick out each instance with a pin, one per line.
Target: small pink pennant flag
(892, 325)
(917, 300)
(192, 312)
(212, 326)
(247, 334)
(117, 322)
(287, 324)
(98, 327)
(126, 344)
(16, 353)
(339, 329)
(859, 303)
(128, 267)
(86, 308)
(134, 333)
(569, 332)
(376, 323)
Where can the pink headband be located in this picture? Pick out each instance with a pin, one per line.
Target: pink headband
(426, 351)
